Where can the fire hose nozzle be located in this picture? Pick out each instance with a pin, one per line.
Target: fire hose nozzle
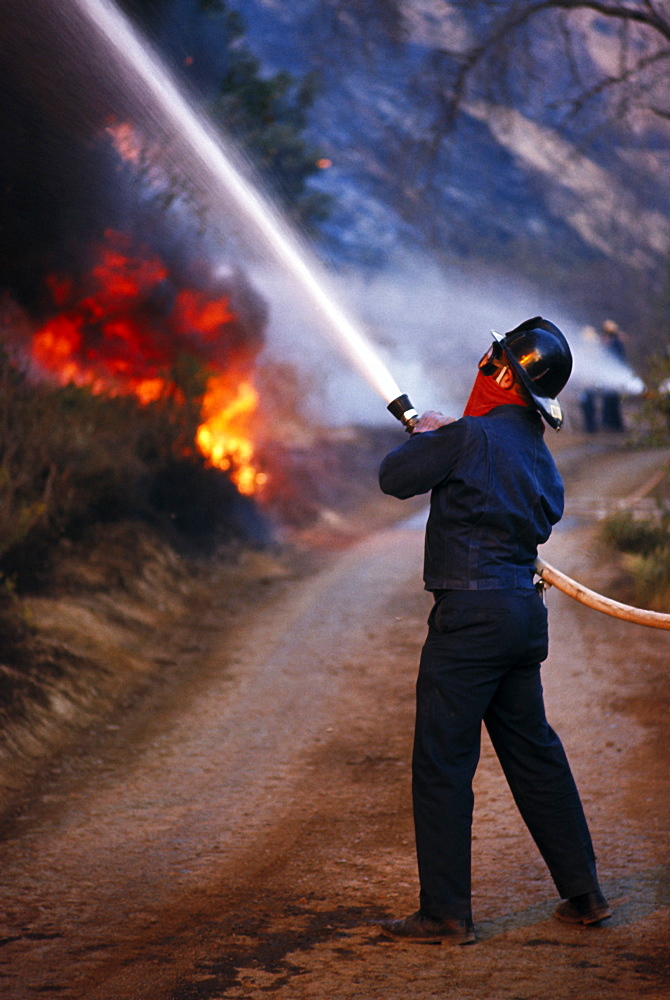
(402, 410)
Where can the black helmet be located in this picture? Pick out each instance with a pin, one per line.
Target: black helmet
(540, 355)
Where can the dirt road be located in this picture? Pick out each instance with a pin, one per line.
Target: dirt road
(239, 840)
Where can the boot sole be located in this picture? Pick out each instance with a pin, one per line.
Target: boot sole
(448, 939)
(586, 919)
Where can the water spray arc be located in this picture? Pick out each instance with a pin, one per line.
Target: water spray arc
(219, 165)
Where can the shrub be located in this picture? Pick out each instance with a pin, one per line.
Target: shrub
(651, 574)
(645, 543)
(71, 459)
(638, 536)
(28, 468)
(655, 412)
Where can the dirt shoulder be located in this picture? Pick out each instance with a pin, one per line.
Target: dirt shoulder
(126, 616)
(242, 838)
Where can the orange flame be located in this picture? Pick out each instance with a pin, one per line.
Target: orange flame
(221, 436)
(110, 342)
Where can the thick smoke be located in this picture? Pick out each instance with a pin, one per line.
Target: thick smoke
(430, 327)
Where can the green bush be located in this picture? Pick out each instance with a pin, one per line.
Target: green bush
(645, 543)
(651, 574)
(655, 410)
(638, 536)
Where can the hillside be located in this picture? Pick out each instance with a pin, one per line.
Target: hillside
(579, 208)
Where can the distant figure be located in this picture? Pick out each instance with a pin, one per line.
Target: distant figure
(587, 402)
(611, 399)
(589, 397)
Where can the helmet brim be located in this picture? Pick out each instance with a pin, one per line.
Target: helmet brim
(551, 409)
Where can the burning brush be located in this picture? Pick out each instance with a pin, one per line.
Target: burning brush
(126, 326)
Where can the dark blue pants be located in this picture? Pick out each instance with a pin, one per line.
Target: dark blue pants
(481, 661)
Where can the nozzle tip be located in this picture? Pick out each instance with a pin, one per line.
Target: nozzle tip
(402, 410)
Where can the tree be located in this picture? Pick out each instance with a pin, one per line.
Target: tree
(265, 113)
(586, 61)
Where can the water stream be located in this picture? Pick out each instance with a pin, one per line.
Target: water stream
(218, 163)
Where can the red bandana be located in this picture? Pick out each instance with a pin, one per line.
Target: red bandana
(486, 393)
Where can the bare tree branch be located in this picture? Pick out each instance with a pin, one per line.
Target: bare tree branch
(607, 83)
(498, 46)
(649, 17)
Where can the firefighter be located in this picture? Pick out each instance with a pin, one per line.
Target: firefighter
(495, 495)
(613, 344)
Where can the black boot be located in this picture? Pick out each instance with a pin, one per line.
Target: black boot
(420, 928)
(589, 908)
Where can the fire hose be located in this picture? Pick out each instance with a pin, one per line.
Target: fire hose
(554, 578)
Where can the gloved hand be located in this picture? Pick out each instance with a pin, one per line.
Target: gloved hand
(430, 421)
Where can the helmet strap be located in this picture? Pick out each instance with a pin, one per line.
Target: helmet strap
(501, 377)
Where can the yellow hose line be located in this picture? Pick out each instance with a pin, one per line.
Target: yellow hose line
(550, 575)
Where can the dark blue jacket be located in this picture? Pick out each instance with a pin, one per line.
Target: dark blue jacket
(496, 493)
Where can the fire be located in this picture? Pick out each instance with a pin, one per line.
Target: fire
(221, 436)
(55, 345)
(205, 315)
(126, 330)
